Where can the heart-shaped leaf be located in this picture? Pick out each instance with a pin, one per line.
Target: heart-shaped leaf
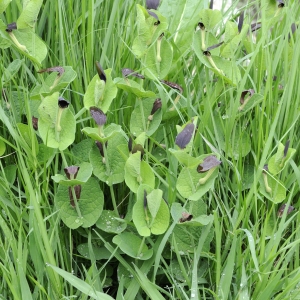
(152, 217)
(139, 121)
(278, 161)
(54, 82)
(133, 87)
(83, 175)
(110, 222)
(100, 93)
(29, 14)
(107, 133)
(138, 172)
(110, 168)
(56, 135)
(90, 205)
(132, 245)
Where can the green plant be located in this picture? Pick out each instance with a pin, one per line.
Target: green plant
(151, 184)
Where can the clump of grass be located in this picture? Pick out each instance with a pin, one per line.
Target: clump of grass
(238, 240)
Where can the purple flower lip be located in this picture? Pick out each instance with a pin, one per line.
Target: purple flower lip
(63, 103)
(100, 71)
(10, 27)
(98, 115)
(184, 137)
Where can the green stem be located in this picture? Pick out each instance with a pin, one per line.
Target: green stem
(267, 187)
(16, 42)
(76, 203)
(208, 174)
(113, 199)
(158, 44)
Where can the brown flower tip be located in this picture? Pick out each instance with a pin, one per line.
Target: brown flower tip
(145, 200)
(130, 144)
(214, 46)
(172, 85)
(185, 217)
(241, 21)
(244, 93)
(10, 27)
(58, 69)
(77, 189)
(71, 172)
(156, 106)
(98, 115)
(100, 147)
(128, 72)
(255, 26)
(286, 148)
(208, 163)
(35, 123)
(282, 208)
(184, 137)
(100, 71)
(137, 148)
(63, 103)
(201, 26)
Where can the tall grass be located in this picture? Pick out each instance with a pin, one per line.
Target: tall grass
(253, 254)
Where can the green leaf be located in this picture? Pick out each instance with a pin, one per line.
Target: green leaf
(5, 42)
(11, 71)
(148, 30)
(139, 121)
(2, 147)
(52, 137)
(183, 16)
(81, 150)
(158, 59)
(80, 284)
(186, 236)
(100, 93)
(138, 172)
(83, 175)
(35, 48)
(226, 69)
(278, 193)
(210, 18)
(197, 211)
(278, 161)
(209, 41)
(251, 103)
(108, 132)
(90, 204)
(131, 86)
(110, 169)
(156, 221)
(186, 159)
(240, 144)
(231, 45)
(231, 30)
(54, 83)
(29, 14)
(188, 183)
(27, 135)
(153, 201)
(98, 252)
(111, 222)
(3, 5)
(133, 246)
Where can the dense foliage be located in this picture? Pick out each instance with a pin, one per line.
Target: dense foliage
(149, 151)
